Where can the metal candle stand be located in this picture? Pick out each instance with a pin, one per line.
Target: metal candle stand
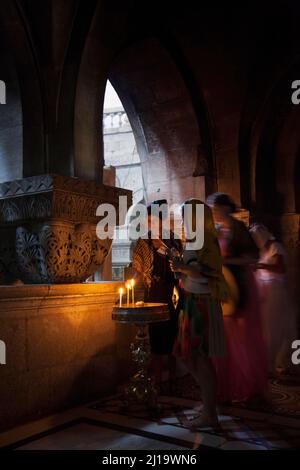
(141, 389)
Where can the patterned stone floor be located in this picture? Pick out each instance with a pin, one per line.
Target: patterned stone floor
(276, 426)
(105, 425)
(240, 428)
(284, 392)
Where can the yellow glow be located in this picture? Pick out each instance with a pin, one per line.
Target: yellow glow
(121, 296)
(132, 286)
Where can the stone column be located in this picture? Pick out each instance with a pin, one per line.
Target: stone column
(48, 228)
(290, 232)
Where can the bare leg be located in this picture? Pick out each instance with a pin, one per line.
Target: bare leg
(203, 371)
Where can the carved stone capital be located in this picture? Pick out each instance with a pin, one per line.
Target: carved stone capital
(48, 228)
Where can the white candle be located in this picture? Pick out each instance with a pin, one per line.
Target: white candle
(127, 285)
(121, 295)
(132, 286)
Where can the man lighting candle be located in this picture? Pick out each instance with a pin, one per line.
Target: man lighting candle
(150, 261)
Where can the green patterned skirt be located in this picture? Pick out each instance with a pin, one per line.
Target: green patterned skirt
(200, 327)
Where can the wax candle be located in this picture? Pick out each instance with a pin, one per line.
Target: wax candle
(121, 295)
(127, 285)
(132, 286)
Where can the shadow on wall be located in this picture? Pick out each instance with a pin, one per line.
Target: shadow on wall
(105, 372)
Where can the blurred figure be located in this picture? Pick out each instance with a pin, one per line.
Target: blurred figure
(201, 331)
(278, 316)
(242, 374)
(151, 262)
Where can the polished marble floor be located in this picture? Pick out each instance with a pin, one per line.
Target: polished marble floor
(93, 436)
(104, 425)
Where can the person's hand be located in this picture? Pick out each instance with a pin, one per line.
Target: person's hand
(176, 266)
(157, 243)
(175, 253)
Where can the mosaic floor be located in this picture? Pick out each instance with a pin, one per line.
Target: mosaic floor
(284, 393)
(104, 425)
(241, 427)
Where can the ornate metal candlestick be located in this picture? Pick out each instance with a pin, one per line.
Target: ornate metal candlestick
(141, 388)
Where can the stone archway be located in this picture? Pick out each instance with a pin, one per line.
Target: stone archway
(47, 71)
(11, 115)
(164, 122)
(268, 122)
(48, 218)
(158, 103)
(269, 149)
(269, 159)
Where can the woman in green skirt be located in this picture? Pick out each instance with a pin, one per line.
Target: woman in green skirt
(201, 332)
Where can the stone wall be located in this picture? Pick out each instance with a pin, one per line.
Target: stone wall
(11, 132)
(62, 348)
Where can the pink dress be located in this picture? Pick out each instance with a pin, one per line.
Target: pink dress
(278, 315)
(242, 373)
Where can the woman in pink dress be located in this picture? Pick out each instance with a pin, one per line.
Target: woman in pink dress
(278, 315)
(242, 373)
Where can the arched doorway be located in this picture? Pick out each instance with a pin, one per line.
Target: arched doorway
(120, 150)
(161, 111)
(122, 168)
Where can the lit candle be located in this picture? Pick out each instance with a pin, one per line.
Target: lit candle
(121, 295)
(127, 285)
(132, 286)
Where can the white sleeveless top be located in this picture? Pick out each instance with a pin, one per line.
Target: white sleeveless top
(194, 285)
